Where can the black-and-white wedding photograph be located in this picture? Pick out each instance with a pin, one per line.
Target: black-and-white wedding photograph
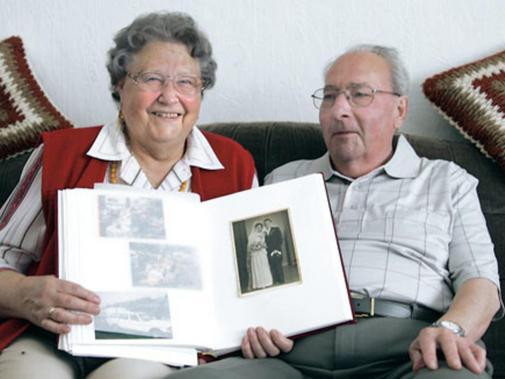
(127, 315)
(265, 252)
(125, 217)
(162, 265)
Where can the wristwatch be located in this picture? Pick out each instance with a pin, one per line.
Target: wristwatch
(451, 325)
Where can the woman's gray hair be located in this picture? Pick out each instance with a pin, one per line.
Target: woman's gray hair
(399, 74)
(160, 26)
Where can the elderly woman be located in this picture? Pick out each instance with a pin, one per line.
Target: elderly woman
(159, 67)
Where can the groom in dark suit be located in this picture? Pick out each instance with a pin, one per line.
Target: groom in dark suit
(273, 239)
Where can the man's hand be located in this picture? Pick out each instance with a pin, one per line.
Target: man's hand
(258, 343)
(54, 304)
(458, 351)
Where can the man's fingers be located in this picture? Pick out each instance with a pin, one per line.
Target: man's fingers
(480, 355)
(426, 346)
(474, 358)
(246, 348)
(258, 343)
(416, 357)
(256, 347)
(266, 342)
(428, 349)
(457, 351)
(449, 346)
(282, 342)
(469, 360)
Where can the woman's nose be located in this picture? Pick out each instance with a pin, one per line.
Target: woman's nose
(169, 93)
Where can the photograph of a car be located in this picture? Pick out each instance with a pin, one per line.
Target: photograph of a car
(122, 320)
(133, 314)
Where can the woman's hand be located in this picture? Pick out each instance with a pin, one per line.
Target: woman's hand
(258, 343)
(55, 304)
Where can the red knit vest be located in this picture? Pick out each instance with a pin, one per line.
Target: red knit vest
(66, 165)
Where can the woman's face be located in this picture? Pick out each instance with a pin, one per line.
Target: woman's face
(259, 227)
(163, 118)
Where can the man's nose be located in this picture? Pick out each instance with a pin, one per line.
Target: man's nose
(342, 105)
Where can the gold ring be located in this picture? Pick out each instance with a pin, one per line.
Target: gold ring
(51, 311)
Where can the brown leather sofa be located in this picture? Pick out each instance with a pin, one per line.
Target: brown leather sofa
(275, 143)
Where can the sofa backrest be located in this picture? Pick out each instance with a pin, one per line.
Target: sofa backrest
(274, 143)
(10, 171)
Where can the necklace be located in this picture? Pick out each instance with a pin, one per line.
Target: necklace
(113, 177)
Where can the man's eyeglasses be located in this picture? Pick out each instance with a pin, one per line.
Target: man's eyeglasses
(186, 85)
(359, 96)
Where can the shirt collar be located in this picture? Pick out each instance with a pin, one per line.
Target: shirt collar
(110, 145)
(199, 152)
(404, 163)
(321, 165)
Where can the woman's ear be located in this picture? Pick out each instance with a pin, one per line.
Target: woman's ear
(120, 86)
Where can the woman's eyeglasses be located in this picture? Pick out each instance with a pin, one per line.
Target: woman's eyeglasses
(186, 85)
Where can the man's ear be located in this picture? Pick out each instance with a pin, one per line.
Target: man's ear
(402, 108)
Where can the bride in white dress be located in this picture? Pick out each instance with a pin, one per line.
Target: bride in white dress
(261, 276)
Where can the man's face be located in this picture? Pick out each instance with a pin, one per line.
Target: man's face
(361, 137)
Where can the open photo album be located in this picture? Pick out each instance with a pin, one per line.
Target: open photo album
(177, 276)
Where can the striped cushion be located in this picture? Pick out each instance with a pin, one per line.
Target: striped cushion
(472, 98)
(25, 110)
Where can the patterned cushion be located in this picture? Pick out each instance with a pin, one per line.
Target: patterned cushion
(25, 110)
(472, 98)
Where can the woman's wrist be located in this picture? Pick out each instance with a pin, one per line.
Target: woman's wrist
(10, 300)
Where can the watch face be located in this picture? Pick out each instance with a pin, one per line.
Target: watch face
(452, 326)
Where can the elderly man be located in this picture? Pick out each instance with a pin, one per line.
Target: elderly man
(418, 257)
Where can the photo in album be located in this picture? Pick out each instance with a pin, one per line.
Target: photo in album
(163, 265)
(265, 252)
(133, 314)
(131, 217)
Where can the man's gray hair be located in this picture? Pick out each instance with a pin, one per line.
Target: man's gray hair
(399, 74)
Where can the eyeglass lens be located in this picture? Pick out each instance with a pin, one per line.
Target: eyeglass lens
(359, 96)
(153, 82)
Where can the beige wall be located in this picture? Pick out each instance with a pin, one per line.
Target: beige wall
(270, 52)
